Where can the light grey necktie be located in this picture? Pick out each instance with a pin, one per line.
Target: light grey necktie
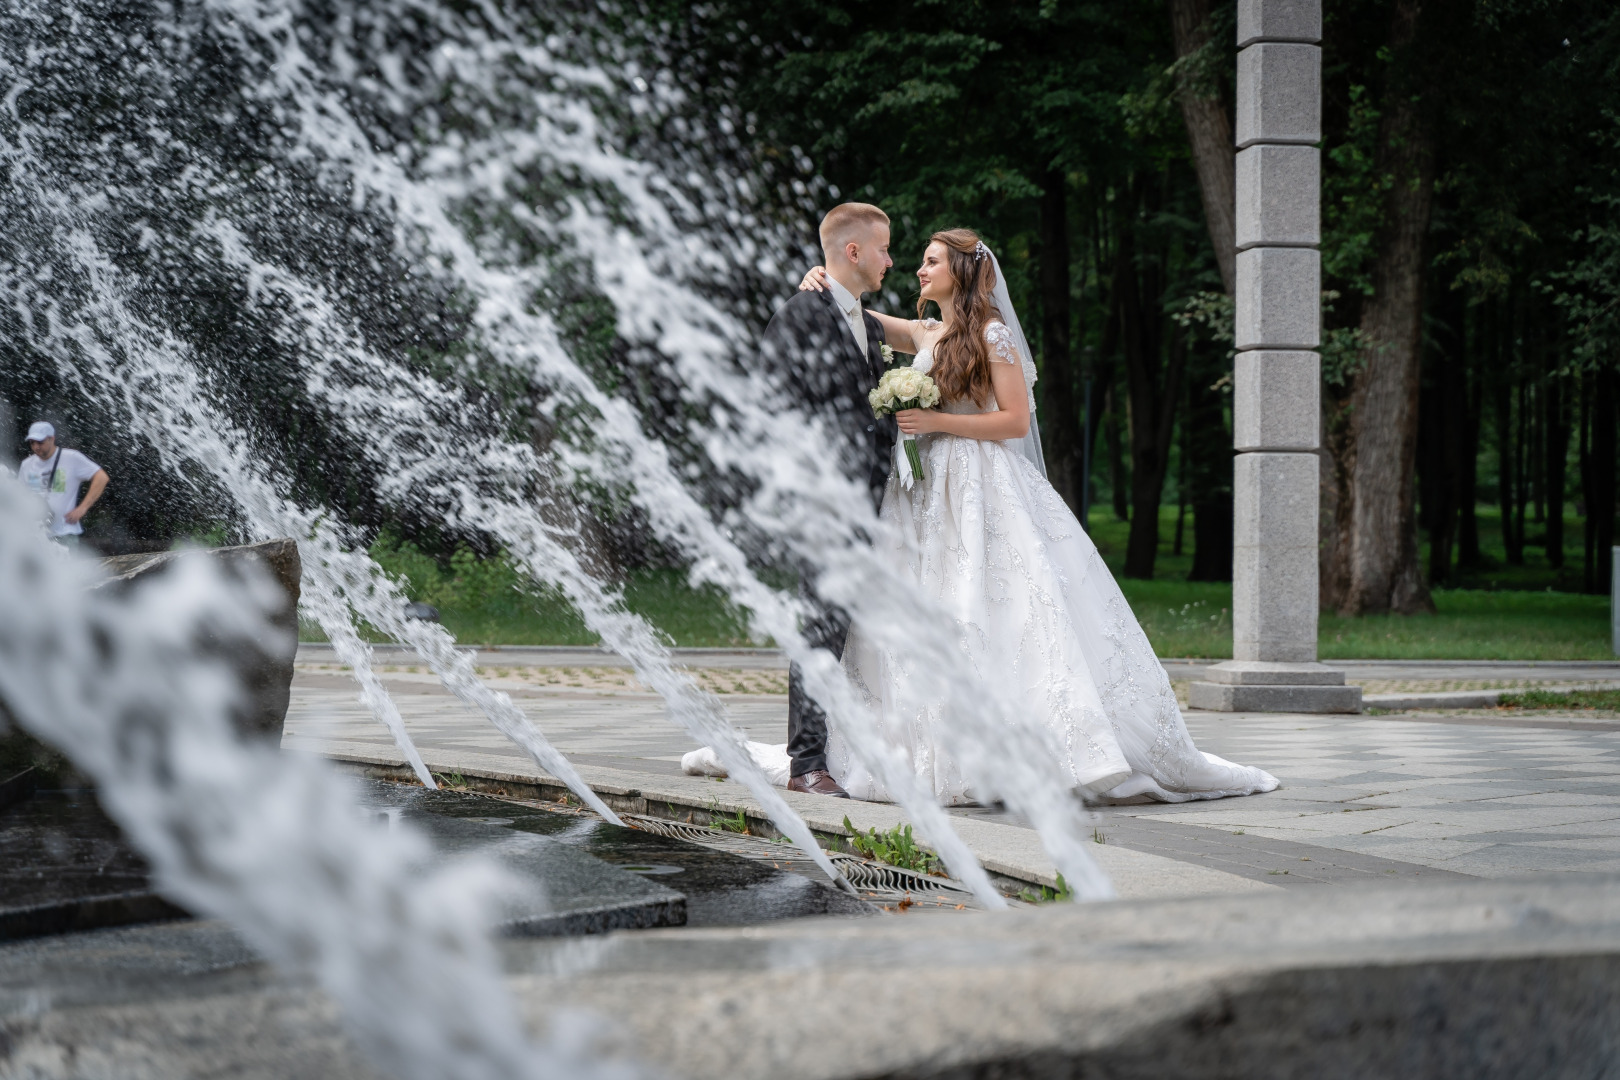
(857, 325)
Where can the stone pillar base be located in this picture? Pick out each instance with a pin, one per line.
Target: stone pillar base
(1262, 686)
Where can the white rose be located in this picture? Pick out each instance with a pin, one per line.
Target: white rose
(908, 385)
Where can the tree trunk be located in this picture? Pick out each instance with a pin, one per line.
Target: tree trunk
(1377, 569)
(1537, 472)
(1209, 133)
(1583, 461)
(1600, 493)
(1557, 454)
(1382, 556)
(1468, 554)
(1520, 483)
(1181, 488)
(1445, 444)
(1209, 443)
(1060, 419)
(1209, 136)
(1118, 479)
(1153, 406)
(1502, 391)
(1152, 379)
(1102, 394)
(1437, 504)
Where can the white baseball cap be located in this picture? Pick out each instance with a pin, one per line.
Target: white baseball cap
(40, 431)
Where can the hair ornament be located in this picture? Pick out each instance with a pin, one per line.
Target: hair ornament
(980, 251)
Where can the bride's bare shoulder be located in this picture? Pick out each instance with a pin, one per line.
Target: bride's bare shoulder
(923, 332)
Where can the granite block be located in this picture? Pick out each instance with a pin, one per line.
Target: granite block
(264, 664)
(1221, 697)
(1275, 498)
(1279, 94)
(1279, 196)
(1478, 979)
(1279, 298)
(1274, 557)
(1266, 673)
(1276, 400)
(1278, 20)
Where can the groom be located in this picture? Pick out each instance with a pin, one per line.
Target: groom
(826, 350)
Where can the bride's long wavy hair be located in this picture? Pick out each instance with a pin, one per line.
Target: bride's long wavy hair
(961, 355)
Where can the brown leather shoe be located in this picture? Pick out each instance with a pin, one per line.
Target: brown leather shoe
(819, 782)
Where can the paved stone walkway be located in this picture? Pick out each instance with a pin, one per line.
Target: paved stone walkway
(1387, 797)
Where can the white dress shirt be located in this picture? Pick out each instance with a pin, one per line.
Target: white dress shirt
(850, 305)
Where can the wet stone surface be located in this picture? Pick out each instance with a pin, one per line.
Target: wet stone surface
(64, 867)
(721, 889)
(58, 848)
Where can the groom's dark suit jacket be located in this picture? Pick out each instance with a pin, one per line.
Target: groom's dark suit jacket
(811, 351)
(817, 364)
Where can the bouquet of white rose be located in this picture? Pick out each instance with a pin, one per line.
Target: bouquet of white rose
(904, 388)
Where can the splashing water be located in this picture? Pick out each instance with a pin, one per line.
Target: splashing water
(490, 117)
(130, 686)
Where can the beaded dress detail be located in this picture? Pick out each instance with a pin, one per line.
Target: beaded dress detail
(985, 536)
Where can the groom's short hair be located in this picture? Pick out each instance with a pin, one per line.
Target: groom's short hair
(844, 221)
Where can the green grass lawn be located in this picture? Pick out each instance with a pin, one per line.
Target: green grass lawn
(1497, 618)
(480, 602)
(485, 602)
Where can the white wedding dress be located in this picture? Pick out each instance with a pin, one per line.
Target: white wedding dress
(988, 539)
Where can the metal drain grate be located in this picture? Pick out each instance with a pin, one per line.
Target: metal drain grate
(887, 886)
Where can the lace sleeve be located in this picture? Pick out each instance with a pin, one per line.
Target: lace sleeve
(1003, 349)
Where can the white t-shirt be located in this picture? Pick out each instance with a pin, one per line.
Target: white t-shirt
(73, 470)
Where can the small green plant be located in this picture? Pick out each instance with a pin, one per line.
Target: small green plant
(1567, 699)
(722, 823)
(895, 847)
(454, 780)
(1046, 894)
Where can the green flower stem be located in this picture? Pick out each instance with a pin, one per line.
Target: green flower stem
(912, 456)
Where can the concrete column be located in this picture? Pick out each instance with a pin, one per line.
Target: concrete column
(1276, 384)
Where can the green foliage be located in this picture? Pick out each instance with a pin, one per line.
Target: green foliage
(1589, 288)
(737, 823)
(1210, 312)
(894, 847)
(1353, 193)
(1344, 348)
(1606, 700)
(1046, 894)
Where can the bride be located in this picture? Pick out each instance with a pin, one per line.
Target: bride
(989, 540)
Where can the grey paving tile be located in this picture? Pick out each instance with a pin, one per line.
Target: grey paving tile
(1358, 792)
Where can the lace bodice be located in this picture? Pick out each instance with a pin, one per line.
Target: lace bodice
(1002, 351)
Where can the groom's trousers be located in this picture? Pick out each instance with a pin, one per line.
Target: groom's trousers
(826, 628)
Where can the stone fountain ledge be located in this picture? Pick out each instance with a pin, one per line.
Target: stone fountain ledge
(1476, 979)
(1011, 853)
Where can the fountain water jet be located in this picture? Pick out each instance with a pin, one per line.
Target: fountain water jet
(696, 332)
(793, 502)
(273, 843)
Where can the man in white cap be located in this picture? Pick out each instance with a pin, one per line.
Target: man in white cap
(57, 473)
